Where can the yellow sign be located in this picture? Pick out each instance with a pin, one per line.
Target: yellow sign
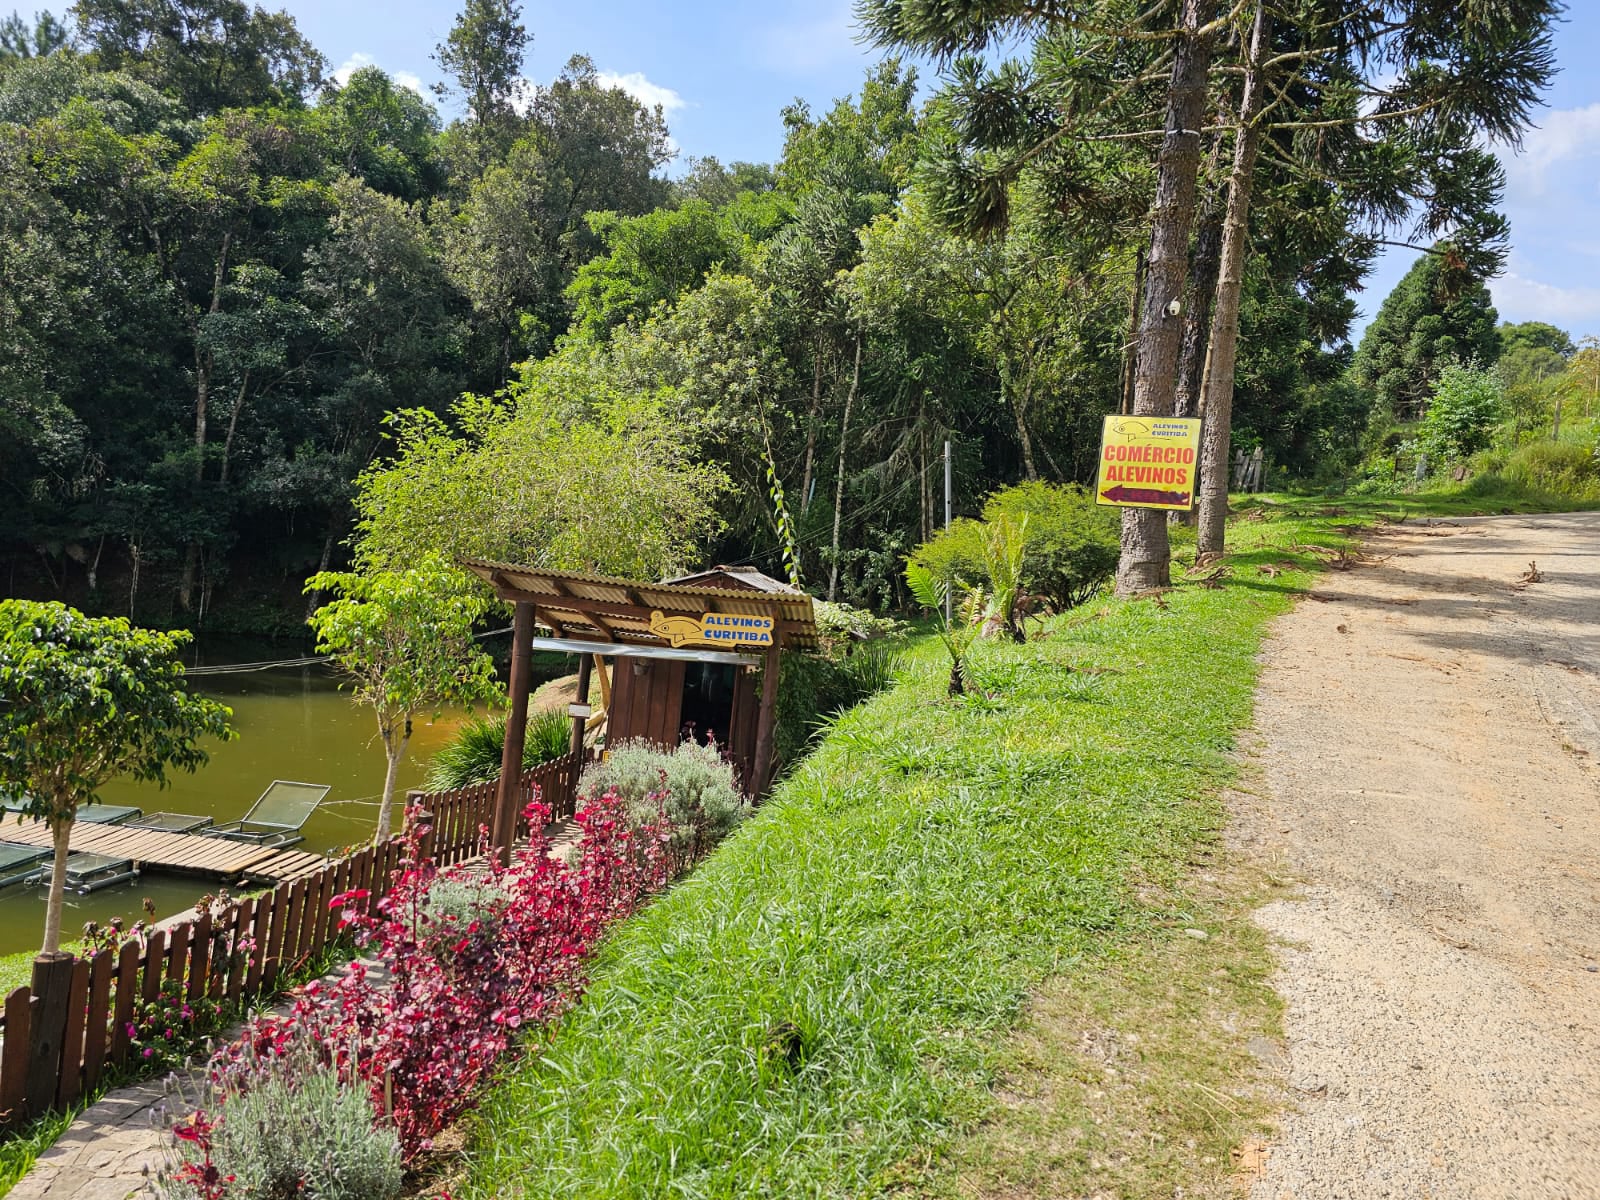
(713, 629)
(1148, 462)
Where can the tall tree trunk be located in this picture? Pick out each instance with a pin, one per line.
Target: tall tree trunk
(61, 836)
(1217, 435)
(1207, 264)
(233, 427)
(1018, 408)
(204, 364)
(394, 748)
(1146, 560)
(811, 425)
(838, 491)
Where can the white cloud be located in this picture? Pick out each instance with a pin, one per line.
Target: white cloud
(1565, 137)
(1519, 298)
(641, 89)
(342, 73)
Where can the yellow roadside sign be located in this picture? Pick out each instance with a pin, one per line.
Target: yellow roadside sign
(1148, 462)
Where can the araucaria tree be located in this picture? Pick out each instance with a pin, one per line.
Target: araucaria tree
(404, 638)
(84, 700)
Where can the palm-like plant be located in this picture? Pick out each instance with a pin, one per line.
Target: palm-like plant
(1005, 541)
(932, 592)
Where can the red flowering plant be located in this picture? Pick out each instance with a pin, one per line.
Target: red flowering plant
(448, 993)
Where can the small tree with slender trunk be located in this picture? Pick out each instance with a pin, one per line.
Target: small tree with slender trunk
(84, 700)
(404, 639)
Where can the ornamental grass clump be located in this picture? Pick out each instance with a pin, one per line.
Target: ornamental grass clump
(692, 787)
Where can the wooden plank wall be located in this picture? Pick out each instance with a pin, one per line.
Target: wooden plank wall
(646, 703)
(55, 1046)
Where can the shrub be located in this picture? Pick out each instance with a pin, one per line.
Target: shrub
(1462, 415)
(298, 1130)
(474, 755)
(841, 628)
(693, 787)
(1070, 548)
(1559, 468)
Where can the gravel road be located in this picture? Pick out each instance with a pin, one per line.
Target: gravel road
(1429, 744)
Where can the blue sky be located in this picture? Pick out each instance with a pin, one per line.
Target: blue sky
(723, 69)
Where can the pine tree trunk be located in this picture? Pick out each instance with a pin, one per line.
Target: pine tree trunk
(1146, 560)
(1217, 435)
(61, 836)
(838, 491)
(1197, 321)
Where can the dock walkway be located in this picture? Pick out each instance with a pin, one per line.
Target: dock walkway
(188, 854)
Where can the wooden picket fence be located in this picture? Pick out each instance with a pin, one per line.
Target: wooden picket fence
(57, 1043)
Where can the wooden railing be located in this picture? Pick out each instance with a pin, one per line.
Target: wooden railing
(57, 1042)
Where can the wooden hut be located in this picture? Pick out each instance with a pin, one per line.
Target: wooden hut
(694, 656)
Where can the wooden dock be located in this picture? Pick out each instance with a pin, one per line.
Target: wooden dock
(183, 853)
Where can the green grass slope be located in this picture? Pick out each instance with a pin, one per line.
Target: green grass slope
(817, 1011)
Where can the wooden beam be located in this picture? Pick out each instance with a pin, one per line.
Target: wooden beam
(503, 831)
(765, 721)
(606, 633)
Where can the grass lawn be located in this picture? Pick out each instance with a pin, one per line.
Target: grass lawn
(854, 994)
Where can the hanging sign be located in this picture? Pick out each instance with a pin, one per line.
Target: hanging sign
(1148, 462)
(713, 629)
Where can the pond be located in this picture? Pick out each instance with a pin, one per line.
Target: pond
(293, 724)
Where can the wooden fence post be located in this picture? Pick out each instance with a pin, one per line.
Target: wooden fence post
(52, 981)
(14, 1057)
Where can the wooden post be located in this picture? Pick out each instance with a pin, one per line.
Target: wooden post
(582, 697)
(52, 981)
(764, 726)
(504, 829)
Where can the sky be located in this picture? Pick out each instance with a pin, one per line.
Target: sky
(722, 71)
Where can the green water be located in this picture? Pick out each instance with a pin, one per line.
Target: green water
(293, 724)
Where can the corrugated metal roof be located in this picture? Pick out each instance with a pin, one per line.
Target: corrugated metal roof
(558, 594)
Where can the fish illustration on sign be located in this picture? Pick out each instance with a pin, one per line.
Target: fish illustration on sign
(677, 630)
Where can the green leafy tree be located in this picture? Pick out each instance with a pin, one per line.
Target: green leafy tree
(650, 260)
(210, 54)
(1423, 324)
(84, 700)
(1466, 405)
(404, 639)
(383, 134)
(21, 40)
(483, 54)
(579, 475)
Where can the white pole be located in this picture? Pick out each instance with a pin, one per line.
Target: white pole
(947, 600)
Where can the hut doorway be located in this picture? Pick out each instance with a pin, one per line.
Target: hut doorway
(707, 710)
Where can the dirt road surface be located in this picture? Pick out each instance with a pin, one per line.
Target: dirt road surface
(1429, 743)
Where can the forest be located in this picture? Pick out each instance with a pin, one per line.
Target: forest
(260, 323)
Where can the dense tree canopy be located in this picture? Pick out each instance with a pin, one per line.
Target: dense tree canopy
(223, 275)
(1421, 325)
